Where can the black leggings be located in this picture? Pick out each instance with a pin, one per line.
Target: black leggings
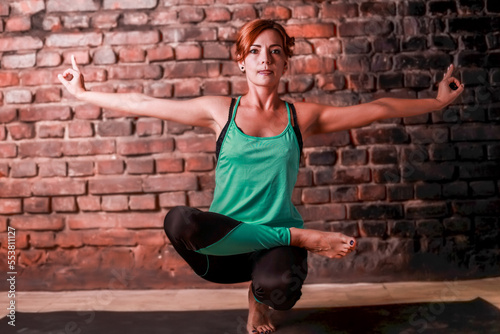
(277, 274)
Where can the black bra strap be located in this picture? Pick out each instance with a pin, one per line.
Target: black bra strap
(296, 128)
(224, 130)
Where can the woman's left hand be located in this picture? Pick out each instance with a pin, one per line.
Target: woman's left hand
(446, 95)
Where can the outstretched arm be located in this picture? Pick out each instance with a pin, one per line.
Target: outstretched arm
(323, 119)
(197, 112)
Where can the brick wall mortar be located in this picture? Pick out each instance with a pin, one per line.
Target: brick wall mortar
(427, 185)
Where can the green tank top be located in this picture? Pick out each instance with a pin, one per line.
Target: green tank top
(255, 176)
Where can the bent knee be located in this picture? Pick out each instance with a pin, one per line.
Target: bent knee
(174, 220)
(280, 295)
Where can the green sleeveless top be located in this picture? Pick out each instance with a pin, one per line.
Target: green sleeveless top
(255, 176)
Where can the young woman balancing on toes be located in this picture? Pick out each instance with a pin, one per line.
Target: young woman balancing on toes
(252, 231)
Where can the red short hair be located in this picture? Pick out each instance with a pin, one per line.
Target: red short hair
(249, 32)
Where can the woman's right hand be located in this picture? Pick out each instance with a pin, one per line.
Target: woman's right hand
(72, 79)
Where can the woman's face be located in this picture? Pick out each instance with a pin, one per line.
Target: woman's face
(266, 62)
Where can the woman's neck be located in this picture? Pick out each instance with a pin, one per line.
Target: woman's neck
(262, 98)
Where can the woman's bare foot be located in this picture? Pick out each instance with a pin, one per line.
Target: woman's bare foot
(258, 317)
(330, 244)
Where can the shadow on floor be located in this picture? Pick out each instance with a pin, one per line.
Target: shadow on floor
(476, 316)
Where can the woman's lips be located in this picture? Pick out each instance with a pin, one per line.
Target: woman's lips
(266, 72)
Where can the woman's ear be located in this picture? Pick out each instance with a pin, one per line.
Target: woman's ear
(241, 65)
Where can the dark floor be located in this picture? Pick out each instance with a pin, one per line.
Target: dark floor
(476, 316)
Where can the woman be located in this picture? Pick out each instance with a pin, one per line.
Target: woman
(252, 231)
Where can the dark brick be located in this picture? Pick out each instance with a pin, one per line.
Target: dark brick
(378, 8)
(386, 175)
(344, 194)
(375, 211)
(442, 152)
(471, 152)
(322, 158)
(455, 189)
(414, 8)
(482, 188)
(354, 157)
(339, 176)
(444, 42)
(470, 24)
(471, 58)
(315, 195)
(480, 170)
(429, 228)
(442, 7)
(415, 44)
(370, 136)
(372, 228)
(380, 62)
(356, 46)
(473, 5)
(428, 172)
(386, 44)
(401, 228)
(371, 192)
(457, 224)
(426, 210)
(428, 191)
(417, 80)
(476, 43)
(346, 227)
(399, 192)
(493, 6)
(384, 155)
(493, 152)
(390, 80)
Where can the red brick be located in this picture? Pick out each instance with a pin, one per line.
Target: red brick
(81, 56)
(171, 183)
(150, 238)
(7, 115)
(18, 23)
(25, 7)
(339, 10)
(51, 94)
(145, 146)
(217, 14)
(199, 163)
(244, 13)
(10, 205)
(371, 192)
(88, 147)
(33, 114)
(115, 220)
(276, 12)
(305, 12)
(8, 150)
(192, 69)
(107, 167)
(172, 199)
(105, 20)
(115, 185)
(20, 43)
(32, 258)
(22, 240)
(169, 165)
(187, 88)
(40, 149)
(4, 9)
(140, 166)
(24, 168)
(216, 51)
(216, 87)
(129, 4)
(141, 72)
(52, 168)
(71, 6)
(42, 239)
(18, 96)
(195, 144)
(48, 59)
(19, 61)
(159, 89)
(70, 40)
(135, 18)
(163, 17)
(52, 23)
(315, 195)
(191, 14)
(149, 127)
(3, 132)
(36, 205)
(228, 33)
(14, 188)
(114, 203)
(80, 168)
(131, 55)
(76, 21)
(39, 77)
(21, 131)
(69, 239)
(160, 53)
(174, 35)
(313, 30)
(58, 186)
(142, 202)
(8, 79)
(51, 130)
(94, 74)
(199, 199)
(114, 128)
(117, 257)
(89, 203)
(188, 51)
(132, 37)
(322, 212)
(87, 111)
(80, 129)
(3, 224)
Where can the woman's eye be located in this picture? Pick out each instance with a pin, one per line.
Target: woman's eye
(276, 51)
(253, 51)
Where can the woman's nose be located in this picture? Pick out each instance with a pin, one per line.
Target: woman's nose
(266, 58)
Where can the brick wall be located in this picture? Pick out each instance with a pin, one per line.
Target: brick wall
(87, 189)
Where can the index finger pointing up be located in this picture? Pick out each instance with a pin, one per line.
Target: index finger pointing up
(73, 61)
(448, 72)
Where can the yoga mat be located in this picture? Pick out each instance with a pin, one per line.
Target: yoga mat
(476, 316)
